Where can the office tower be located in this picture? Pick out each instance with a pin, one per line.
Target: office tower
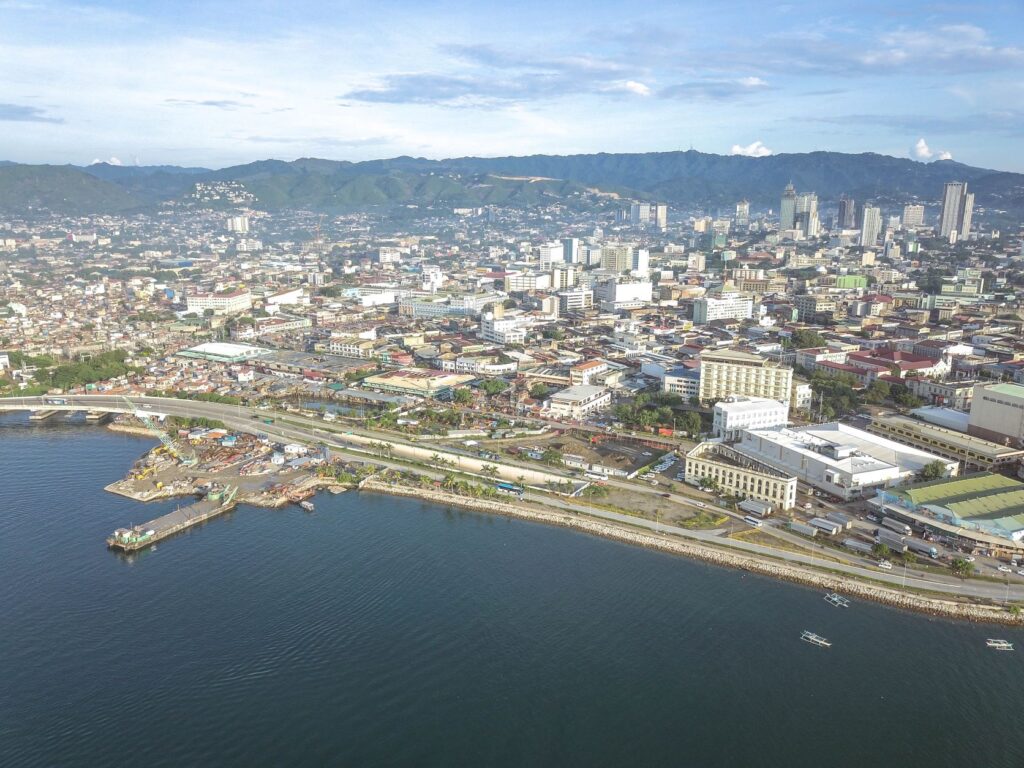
(913, 216)
(659, 214)
(640, 214)
(550, 253)
(617, 258)
(872, 226)
(847, 213)
(806, 214)
(571, 250)
(641, 262)
(787, 210)
(957, 210)
(742, 213)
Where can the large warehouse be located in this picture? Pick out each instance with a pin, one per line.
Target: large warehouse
(839, 459)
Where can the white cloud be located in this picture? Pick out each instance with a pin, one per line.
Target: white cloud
(634, 87)
(757, 149)
(922, 151)
(108, 161)
(753, 82)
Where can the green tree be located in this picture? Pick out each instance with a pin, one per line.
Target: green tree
(933, 470)
(539, 391)
(493, 387)
(962, 567)
(690, 423)
(881, 551)
(462, 397)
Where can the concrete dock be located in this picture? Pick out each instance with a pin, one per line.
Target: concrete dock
(41, 415)
(141, 536)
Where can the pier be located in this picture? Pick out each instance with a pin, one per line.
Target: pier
(141, 536)
(41, 415)
(97, 417)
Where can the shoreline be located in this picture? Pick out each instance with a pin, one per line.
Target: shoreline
(963, 611)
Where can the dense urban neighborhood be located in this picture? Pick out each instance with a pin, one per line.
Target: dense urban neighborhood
(846, 372)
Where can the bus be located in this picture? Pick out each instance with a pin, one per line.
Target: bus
(509, 488)
(754, 521)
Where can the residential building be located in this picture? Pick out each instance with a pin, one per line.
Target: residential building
(957, 211)
(871, 227)
(727, 306)
(578, 402)
(226, 303)
(913, 216)
(732, 372)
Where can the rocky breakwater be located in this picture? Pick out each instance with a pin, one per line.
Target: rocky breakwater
(849, 586)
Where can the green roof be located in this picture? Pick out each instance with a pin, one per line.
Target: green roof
(1010, 390)
(981, 496)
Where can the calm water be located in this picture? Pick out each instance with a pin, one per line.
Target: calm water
(381, 631)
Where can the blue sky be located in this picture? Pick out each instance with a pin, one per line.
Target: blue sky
(219, 83)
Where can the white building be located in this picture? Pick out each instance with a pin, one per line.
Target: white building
(728, 306)
(731, 372)
(735, 414)
(497, 328)
(576, 403)
(220, 303)
(839, 459)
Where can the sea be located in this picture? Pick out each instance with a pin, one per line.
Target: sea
(381, 631)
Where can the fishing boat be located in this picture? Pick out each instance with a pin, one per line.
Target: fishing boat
(307, 505)
(999, 645)
(834, 598)
(809, 637)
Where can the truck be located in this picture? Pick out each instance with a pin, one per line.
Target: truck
(895, 525)
(845, 522)
(826, 526)
(803, 529)
(893, 541)
(755, 507)
(922, 548)
(858, 546)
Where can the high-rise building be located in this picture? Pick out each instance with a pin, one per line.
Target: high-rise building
(640, 214)
(728, 306)
(649, 214)
(617, 258)
(806, 214)
(913, 215)
(742, 213)
(871, 228)
(238, 224)
(787, 209)
(847, 213)
(571, 250)
(731, 372)
(550, 253)
(957, 210)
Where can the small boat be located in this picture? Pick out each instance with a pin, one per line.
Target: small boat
(307, 505)
(999, 645)
(834, 598)
(809, 637)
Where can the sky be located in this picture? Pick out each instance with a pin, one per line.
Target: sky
(219, 83)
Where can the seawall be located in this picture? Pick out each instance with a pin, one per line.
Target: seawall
(848, 586)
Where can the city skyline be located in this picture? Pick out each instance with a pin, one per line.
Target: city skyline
(216, 84)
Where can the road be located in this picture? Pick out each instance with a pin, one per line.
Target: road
(312, 431)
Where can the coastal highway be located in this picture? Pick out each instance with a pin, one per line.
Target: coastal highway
(296, 428)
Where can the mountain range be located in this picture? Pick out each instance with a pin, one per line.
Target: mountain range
(679, 178)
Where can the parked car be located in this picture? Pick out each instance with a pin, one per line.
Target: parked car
(885, 565)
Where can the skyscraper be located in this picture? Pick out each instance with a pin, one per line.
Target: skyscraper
(659, 213)
(742, 213)
(571, 250)
(787, 210)
(847, 213)
(872, 226)
(806, 216)
(957, 210)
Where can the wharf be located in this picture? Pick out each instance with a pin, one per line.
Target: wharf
(41, 415)
(141, 536)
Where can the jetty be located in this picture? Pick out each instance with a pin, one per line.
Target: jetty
(42, 415)
(141, 536)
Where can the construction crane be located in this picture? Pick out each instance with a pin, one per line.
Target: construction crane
(187, 460)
